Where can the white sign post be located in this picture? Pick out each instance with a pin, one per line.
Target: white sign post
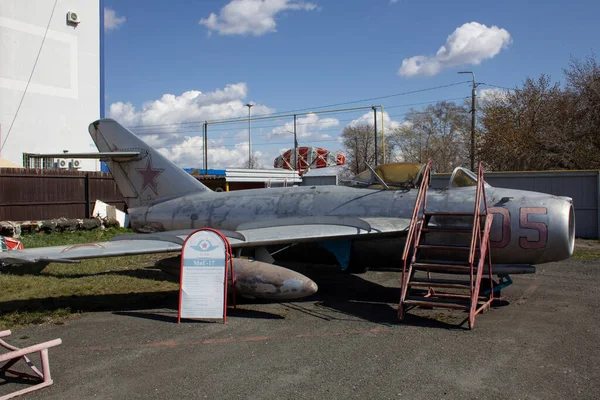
(203, 279)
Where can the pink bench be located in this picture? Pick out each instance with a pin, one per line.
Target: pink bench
(15, 354)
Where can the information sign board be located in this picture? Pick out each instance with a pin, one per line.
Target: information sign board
(203, 279)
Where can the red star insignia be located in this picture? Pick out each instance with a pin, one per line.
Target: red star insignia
(149, 176)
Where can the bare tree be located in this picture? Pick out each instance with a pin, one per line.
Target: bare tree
(359, 142)
(542, 125)
(583, 92)
(253, 163)
(439, 133)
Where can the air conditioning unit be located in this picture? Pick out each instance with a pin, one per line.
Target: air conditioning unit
(74, 164)
(62, 163)
(73, 18)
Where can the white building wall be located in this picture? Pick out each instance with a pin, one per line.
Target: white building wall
(63, 96)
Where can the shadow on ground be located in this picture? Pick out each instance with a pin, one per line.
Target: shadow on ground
(371, 297)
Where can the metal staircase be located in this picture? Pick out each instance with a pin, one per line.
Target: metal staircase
(465, 295)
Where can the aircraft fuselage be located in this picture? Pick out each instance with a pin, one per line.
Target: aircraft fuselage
(528, 228)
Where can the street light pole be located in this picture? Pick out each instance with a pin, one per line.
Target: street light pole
(375, 127)
(249, 137)
(295, 146)
(473, 94)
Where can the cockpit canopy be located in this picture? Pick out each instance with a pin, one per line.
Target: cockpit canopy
(408, 175)
(462, 177)
(395, 175)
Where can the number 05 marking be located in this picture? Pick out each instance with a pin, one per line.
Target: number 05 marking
(504, 215)
(540, 227)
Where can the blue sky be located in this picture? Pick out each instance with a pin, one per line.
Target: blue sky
(288, 55)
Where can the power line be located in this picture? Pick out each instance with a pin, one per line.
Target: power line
(245, 121)
(253, 144)
(258, 127)
(332, 129)
(309, 108)
(30, 76)
(498, 86)
(176, 130)
(378, 98)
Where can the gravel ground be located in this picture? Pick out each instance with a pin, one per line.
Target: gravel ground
(345, 342)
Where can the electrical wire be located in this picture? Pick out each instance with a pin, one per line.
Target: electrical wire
(498, 86)
(30, 77)
(258, 127)
(253, 144)
(177, 140)
(241, 119)
(141, 130)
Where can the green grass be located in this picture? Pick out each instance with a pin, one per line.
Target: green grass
(75, 237)
(586, 253)
(587, 248)
(63, 290)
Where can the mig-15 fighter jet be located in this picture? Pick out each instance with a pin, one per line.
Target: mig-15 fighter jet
(166, 204)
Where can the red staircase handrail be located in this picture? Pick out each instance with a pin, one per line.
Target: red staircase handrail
(414, 231)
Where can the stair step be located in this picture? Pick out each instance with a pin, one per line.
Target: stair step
(441, 283)
(447, 214)
(463, 266)
(445, 246)
(437, 302)
(448, 230)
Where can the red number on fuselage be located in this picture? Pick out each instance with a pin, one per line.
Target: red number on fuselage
(540, 227)
(505, 224)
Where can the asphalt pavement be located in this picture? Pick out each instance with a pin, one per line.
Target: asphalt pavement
(345, 342)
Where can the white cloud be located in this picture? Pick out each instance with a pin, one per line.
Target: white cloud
(309, 126)
(255, 17)
(111, 21)
(189, 154)
(166, 123)
(469, 44)
(192, 105)
(491, 94)
(367, 118)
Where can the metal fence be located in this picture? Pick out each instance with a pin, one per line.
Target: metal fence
(582, 186)
(34, 194)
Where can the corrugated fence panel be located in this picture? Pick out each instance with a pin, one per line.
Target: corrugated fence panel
(319, 180)
(34, 194)
(581, 186)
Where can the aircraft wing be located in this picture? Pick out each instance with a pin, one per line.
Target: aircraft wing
(252, 234)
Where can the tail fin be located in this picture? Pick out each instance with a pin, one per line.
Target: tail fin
(143, 178)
